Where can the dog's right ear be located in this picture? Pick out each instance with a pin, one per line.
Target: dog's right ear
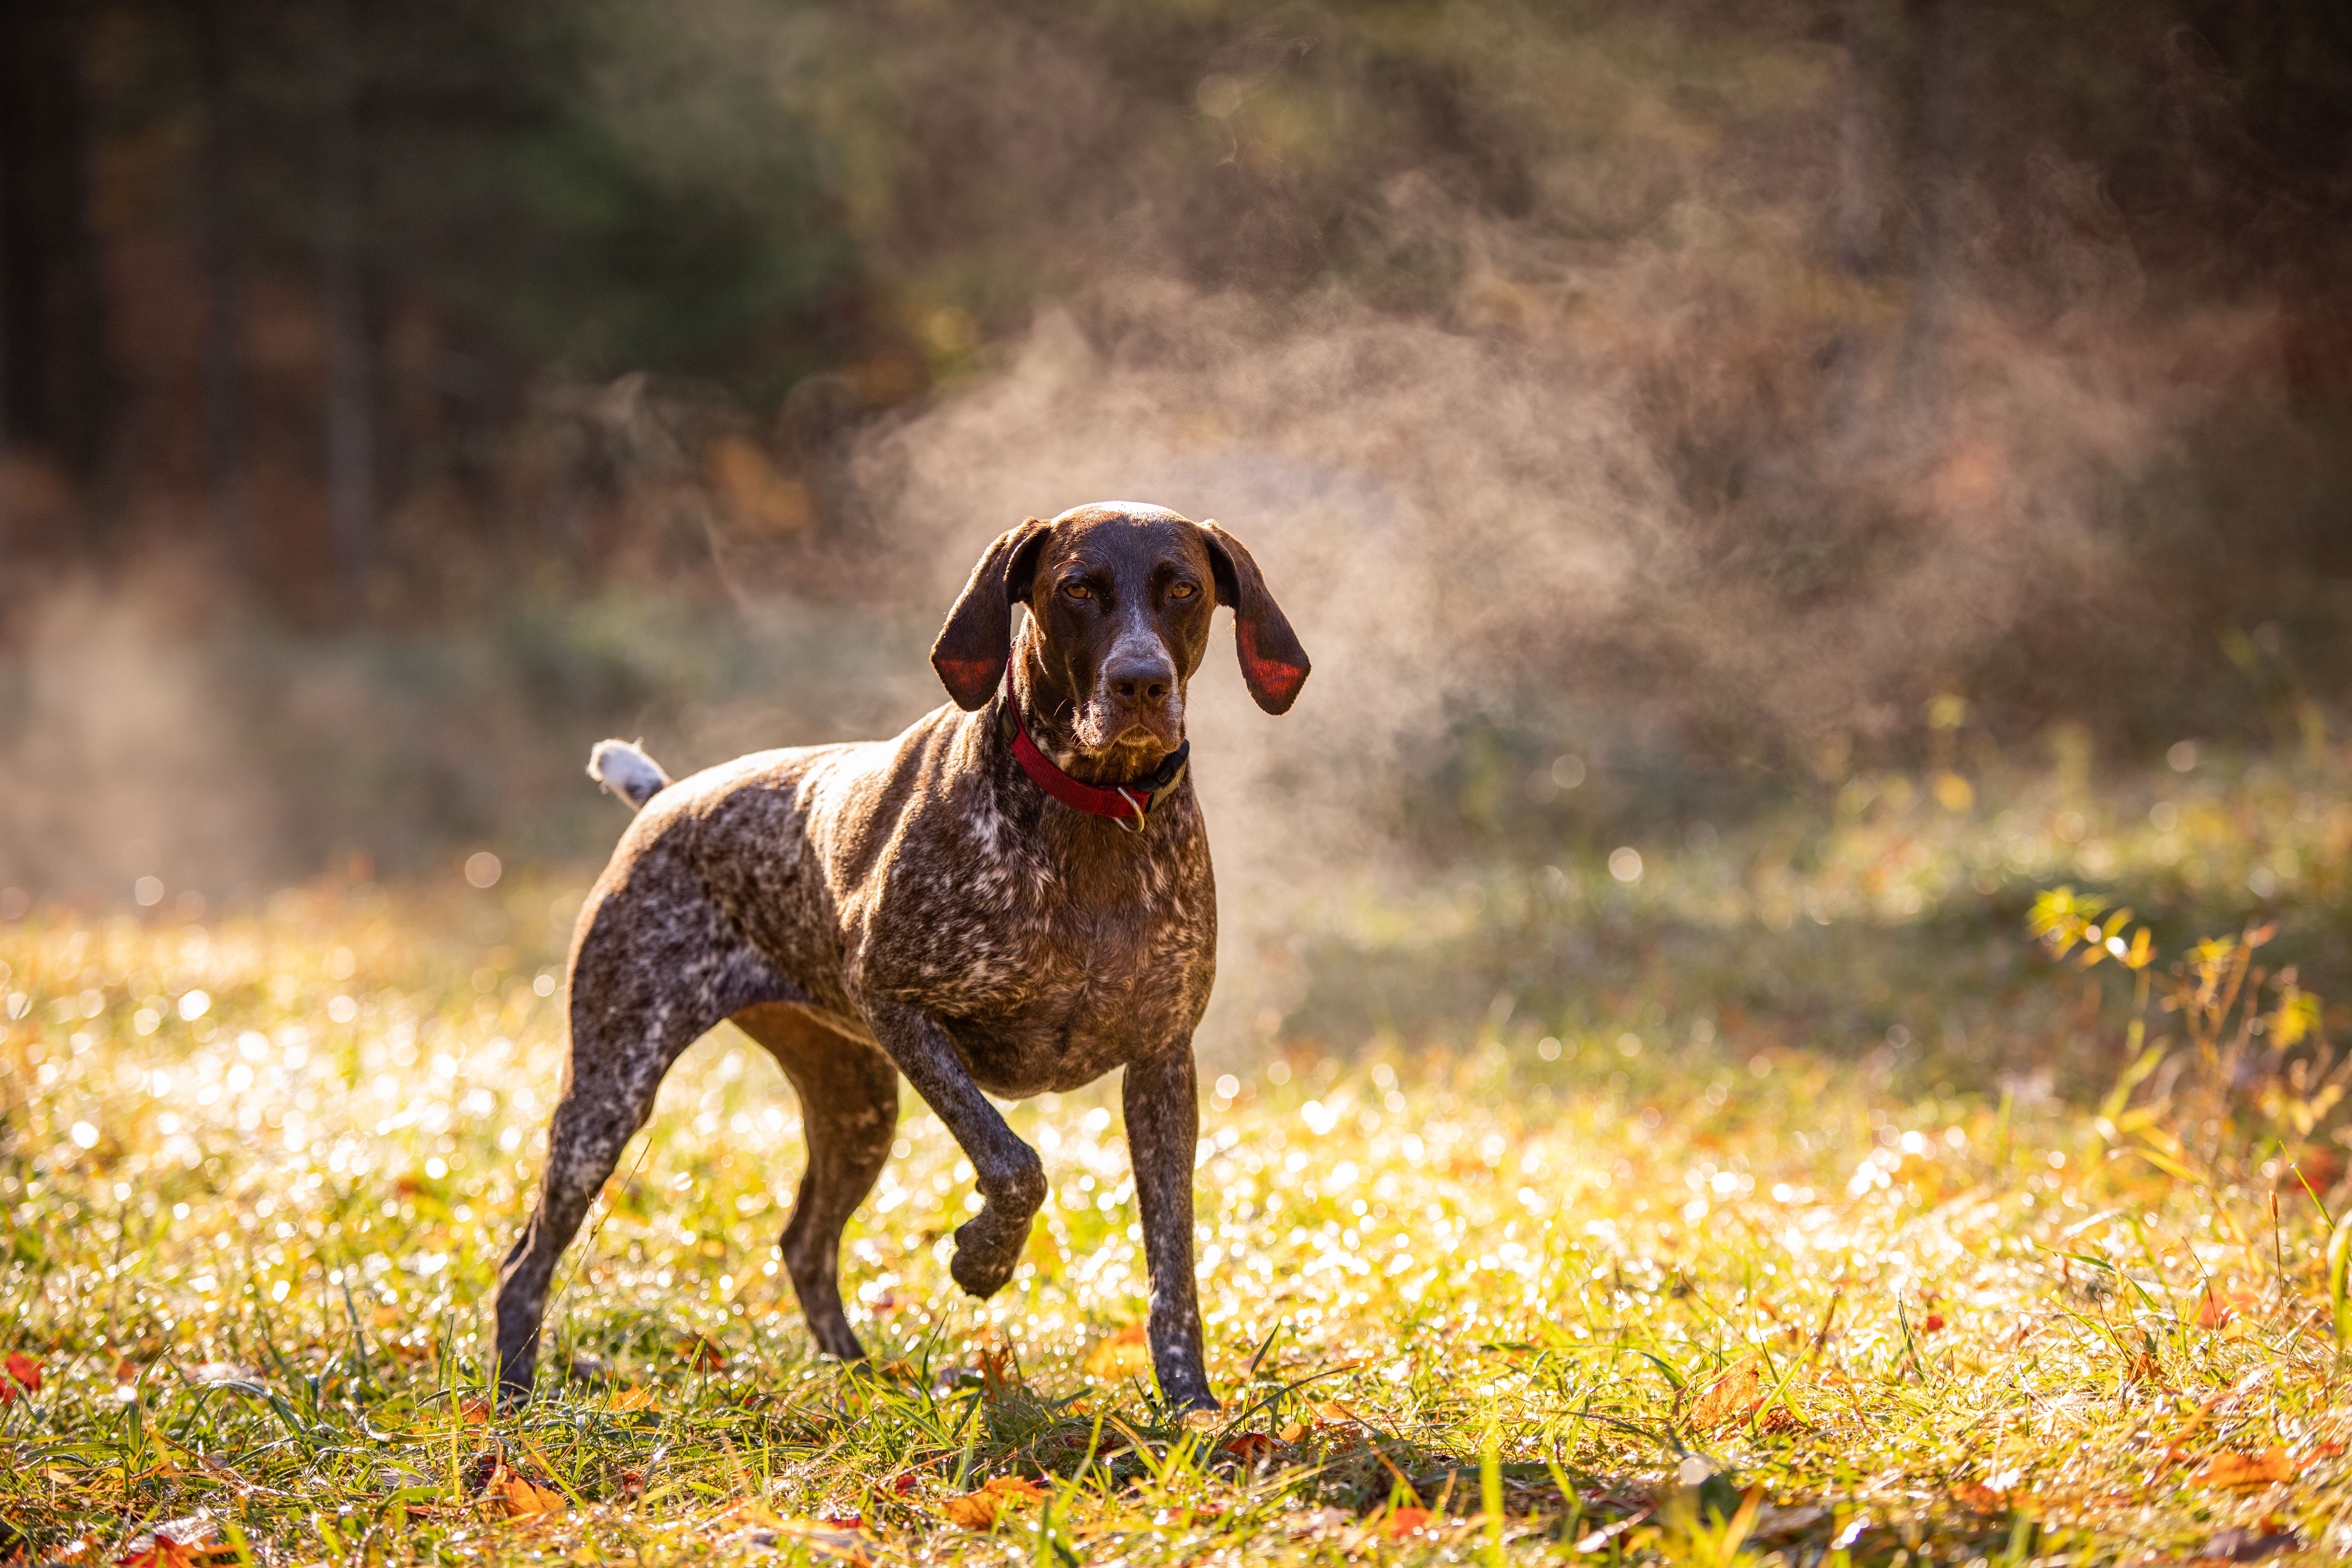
(973, 646)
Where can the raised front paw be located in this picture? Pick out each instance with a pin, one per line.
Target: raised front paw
(987, 1252)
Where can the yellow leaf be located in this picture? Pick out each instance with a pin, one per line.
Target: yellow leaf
(635, 1397)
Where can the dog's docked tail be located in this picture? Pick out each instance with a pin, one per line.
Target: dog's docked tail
(627, 772)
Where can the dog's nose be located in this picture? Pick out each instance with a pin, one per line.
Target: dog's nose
(1139, 681)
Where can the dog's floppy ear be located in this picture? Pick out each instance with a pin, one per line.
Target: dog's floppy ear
(1272, 663)
(973, 646)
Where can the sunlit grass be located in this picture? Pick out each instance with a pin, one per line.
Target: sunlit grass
(1627, 1280)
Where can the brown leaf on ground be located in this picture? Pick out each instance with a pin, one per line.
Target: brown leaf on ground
(704, 1356)
(1249, 1447)
(1982, 1498)
(475, 1413)
(1730, 1399)
(2233, 1468)
(637, 1396)
(978, 1510)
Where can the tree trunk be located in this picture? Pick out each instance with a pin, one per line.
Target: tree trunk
(224, 313)
(350, 415)
(55, 399)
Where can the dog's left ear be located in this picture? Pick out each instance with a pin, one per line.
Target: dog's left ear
(1273, 664)
(973, 646)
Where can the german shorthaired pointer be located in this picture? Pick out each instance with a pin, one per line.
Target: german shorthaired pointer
(1012, 897)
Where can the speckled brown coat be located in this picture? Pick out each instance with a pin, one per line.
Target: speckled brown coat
(920, 906)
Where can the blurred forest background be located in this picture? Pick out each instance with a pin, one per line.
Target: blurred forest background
(1653, 415)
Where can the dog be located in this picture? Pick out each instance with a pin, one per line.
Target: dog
(1012, 897)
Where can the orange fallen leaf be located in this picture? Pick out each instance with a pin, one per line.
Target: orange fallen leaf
(978, 1510)
(704, 1356)
(1980, 1496)
(169, 1554)
(635, 1397)
(1331, 1413)
(527, 1499)
(1404, 1522)
(2233, 1468)
(474, 1412)
(1730, 1399)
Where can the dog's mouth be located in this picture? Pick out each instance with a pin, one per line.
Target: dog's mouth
(1129, 739)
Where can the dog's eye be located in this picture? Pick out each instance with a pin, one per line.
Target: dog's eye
(1181, 591)
(1077, 590)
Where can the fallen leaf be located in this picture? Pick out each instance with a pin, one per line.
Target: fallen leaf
(2236, 1545)
(1117, 1355)
(999, 1373)
(2232, 1467)
(527, 1499)
(168, 1553)
(1249, 1447)
(474, 1412)
(637, 1396)
(126, 1372)
(1404, 1522)
(978, 1510)
(174, 1543)
(23, 1371)
(1980, 1496)
(1730, 1399)
(842, 1520)
(704, 1356)
(1933, 1323)
(903, 1484)
(1331, 1413)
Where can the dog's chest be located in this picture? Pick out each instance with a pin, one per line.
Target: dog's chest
(1048, 973)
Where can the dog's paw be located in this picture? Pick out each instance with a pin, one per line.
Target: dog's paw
(983, 1264)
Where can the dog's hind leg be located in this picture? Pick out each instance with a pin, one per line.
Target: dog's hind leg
(656, 965)
(849, 1113)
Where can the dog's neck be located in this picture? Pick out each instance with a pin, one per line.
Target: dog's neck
(1050, 715)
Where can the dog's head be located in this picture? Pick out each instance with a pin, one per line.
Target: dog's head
(1120, 597)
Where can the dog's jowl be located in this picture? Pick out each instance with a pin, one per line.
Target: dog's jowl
(1011, 898)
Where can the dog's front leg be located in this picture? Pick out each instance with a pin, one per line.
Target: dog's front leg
(1163, 1128)
(1011, 1178)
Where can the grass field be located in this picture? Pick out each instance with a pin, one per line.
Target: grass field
(1663, 1273)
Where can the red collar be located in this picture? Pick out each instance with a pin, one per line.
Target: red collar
(1129, 804)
